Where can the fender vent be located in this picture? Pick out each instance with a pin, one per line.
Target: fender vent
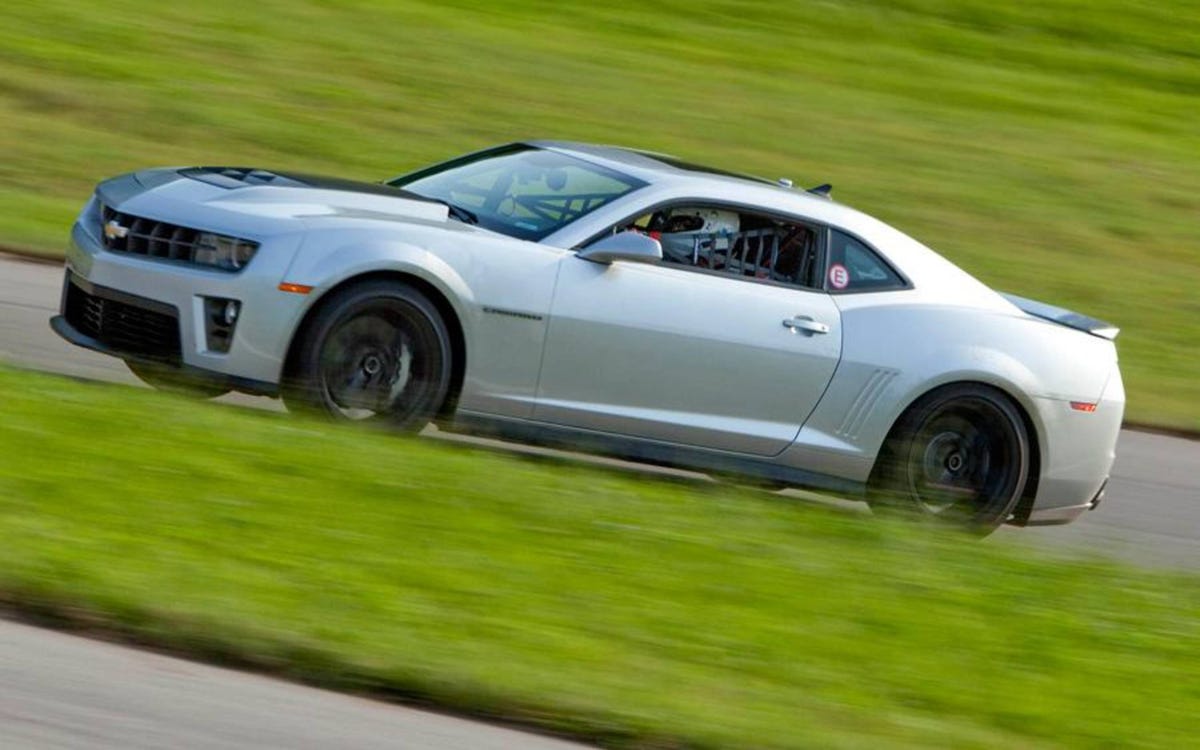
(864, 403)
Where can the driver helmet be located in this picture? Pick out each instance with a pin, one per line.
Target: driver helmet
(691, 235)
(701, 221)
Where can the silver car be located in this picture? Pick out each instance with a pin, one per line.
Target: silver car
(614, 301)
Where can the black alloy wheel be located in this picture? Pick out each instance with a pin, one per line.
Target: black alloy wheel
(960, 455)
(375, 352)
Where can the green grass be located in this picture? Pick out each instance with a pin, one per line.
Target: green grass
(1049, 148)
(635, 612)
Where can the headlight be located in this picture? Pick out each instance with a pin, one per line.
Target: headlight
(229, 253)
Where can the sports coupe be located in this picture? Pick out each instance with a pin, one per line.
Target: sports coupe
(614, 301)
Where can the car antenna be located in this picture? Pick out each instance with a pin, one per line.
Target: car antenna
(822, 190)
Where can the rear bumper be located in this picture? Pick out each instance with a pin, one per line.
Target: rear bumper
(1059, 516)
(1078, 449)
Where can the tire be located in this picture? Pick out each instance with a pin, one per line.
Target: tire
(959, 455)
(172, 380)
(376, 352)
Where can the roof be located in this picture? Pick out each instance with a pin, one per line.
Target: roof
(670, 172)
(680, 179)
(665, 170)
(644, 164)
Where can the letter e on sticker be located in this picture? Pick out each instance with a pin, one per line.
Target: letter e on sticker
(839, 277)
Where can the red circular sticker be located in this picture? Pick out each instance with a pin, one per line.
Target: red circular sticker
(839, 277)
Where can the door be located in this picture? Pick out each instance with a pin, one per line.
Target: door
(694, 357)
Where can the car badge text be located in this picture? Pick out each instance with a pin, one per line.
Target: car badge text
(114, 231)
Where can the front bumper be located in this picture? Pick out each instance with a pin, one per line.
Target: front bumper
(60, 326)
(256, 354)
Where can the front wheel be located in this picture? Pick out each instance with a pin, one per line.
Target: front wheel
(960, 454)
(376, 352)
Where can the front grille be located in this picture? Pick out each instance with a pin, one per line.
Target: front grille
(136, 235)
(124, 323)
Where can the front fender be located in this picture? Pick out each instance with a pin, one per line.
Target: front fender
(500, 290)
(324, 266)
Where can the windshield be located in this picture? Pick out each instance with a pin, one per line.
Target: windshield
(519, 190)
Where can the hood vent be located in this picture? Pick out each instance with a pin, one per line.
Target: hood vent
(231, 178)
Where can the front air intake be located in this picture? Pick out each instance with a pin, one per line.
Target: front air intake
(123, 323)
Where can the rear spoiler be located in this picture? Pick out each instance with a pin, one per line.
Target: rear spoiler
(1064, 317)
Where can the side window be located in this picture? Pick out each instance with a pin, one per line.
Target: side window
(733, 241)
(854, 267)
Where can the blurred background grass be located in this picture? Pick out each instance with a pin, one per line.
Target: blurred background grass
(1049, 148)
(615, 607)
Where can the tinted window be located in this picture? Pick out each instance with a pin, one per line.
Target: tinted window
(519, 190)
(732, 241)
(854, 267)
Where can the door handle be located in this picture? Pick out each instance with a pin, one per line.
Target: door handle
(805, 323)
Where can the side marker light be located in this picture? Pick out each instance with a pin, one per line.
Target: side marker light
(1083, 406)
(294, 288)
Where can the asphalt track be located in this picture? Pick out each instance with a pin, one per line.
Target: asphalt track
(58, 691)
(63, 691)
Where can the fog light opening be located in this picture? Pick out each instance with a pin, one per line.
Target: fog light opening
(220, 319)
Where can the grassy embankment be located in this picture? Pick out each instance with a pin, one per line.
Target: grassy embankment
(1050, 148)
(630, 611)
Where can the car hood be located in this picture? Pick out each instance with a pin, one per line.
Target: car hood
(272, 198)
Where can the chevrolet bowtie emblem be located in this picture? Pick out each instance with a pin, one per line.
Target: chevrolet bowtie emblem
(114, 231)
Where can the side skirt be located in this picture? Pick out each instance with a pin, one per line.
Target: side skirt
(649, 451)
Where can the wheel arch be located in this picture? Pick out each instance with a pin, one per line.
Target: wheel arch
(1029, 491)
(450, 316)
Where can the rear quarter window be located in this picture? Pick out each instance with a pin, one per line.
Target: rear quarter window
(855, 267)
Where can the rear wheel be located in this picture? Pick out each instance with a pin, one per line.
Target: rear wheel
(170, 379)
(960, 455)
(376, 352)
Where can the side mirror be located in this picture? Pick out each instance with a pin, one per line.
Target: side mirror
(631, 246)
